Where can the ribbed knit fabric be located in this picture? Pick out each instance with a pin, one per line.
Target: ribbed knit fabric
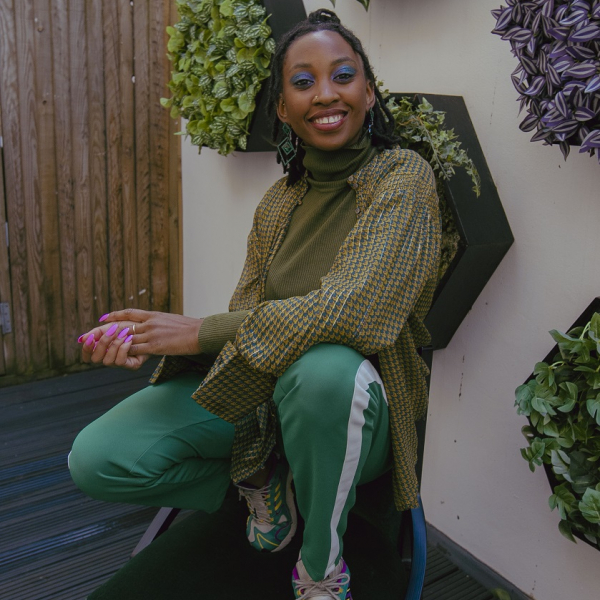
(319, 225)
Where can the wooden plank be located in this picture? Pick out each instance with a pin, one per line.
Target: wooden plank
(114, 152)
(47, 159)
(175, 206)
(142, 149)
(159, 131)
(82, 315)
(126, 97)
(37, 310)
(10, 101)
(65, 173)
(97, 157)
(7, 340)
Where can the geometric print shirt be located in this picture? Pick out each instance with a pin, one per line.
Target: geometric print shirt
(373, 299)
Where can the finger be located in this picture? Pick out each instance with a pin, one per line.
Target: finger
(112, 351)
(103, 343)
(129, 314)
(122, 358)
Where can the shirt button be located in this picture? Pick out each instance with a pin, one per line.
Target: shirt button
(351, 179)
(357, 211)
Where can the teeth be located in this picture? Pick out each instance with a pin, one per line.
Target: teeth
(328, 120)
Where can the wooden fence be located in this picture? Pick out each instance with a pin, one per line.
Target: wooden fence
(90, 181)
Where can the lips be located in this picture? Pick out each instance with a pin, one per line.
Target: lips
(328, 120)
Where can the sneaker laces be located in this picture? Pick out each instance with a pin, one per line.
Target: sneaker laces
(331, 587)
(257, 502)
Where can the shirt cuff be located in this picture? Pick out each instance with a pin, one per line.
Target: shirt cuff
(219, 329)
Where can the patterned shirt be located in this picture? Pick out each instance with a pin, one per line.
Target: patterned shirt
(373, 299)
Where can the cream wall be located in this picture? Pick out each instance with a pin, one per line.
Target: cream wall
(476, 488)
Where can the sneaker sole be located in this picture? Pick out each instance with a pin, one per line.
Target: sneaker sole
(289, 498)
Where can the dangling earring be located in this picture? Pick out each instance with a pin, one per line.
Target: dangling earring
(286, 148)
(371, 119)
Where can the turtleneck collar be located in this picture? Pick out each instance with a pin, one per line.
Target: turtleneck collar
(336, 166)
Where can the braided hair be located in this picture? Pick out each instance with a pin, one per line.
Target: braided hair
(382, 129)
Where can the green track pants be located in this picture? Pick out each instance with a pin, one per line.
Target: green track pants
(160, 448)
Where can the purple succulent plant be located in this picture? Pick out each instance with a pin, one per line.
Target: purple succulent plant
(557, 44)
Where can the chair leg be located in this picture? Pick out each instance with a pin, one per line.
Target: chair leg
(161, 522)
(419, 554)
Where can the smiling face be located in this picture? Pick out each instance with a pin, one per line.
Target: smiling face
(325, 94)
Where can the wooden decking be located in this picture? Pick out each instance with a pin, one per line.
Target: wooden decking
(57, 544)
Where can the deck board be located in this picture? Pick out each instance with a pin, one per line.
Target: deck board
(56, 543)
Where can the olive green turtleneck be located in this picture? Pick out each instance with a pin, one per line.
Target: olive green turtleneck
(318, 226)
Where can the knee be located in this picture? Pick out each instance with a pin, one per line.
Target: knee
(89, 466)
(322, 379)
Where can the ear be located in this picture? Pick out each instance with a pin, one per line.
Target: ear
(281, 109)
(370, 95)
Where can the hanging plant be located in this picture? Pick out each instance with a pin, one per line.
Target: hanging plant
(421, 128)
(562, 403)
(557, 44)
(221, 51)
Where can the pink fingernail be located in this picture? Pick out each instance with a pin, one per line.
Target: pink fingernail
(89, 341)
(123, 333)
(112, 330)
(128, 339)
(103, 317)
(80, 338)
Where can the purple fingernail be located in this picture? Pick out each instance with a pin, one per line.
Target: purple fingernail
(103, 317)
(112, 330)
(89, 341)
(123, 333)
(128, 339)
(80, 338)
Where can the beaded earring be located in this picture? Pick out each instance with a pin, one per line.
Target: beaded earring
(371, 119)
(286, 148)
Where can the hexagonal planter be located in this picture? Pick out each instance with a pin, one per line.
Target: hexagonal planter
(484, 230)
(282, 17)
(584, 318)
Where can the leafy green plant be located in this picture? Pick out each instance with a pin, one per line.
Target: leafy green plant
(562, 403)
(421, 128)
(221, 51)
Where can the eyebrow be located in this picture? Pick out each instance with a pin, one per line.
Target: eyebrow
(337, 61)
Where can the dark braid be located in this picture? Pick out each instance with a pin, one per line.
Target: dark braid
(324, 20)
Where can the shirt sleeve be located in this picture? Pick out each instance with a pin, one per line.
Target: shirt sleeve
(219, 329)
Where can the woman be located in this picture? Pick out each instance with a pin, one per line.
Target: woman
(315, 373)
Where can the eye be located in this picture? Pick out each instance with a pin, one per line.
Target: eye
(344, 74)
(301, 80)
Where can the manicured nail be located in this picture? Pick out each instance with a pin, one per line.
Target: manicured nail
(128, 339)
(123, 333)
(80, 338)
(103, 317)
(112, 330)
(89, 341)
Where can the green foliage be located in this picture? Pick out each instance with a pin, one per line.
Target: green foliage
(562, 403)
(221, 51)
(421, 129)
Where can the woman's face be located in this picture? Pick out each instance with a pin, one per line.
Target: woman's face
(325, 94)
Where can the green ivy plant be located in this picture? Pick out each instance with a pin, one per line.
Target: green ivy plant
(562, 403)
(221, 51)
(421, 128)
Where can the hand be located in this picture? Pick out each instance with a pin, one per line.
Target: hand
(153, 333)
(110, 345)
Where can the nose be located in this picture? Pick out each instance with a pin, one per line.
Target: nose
(325, 93)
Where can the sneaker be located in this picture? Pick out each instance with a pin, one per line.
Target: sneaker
(336, 586)
(272, 521)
